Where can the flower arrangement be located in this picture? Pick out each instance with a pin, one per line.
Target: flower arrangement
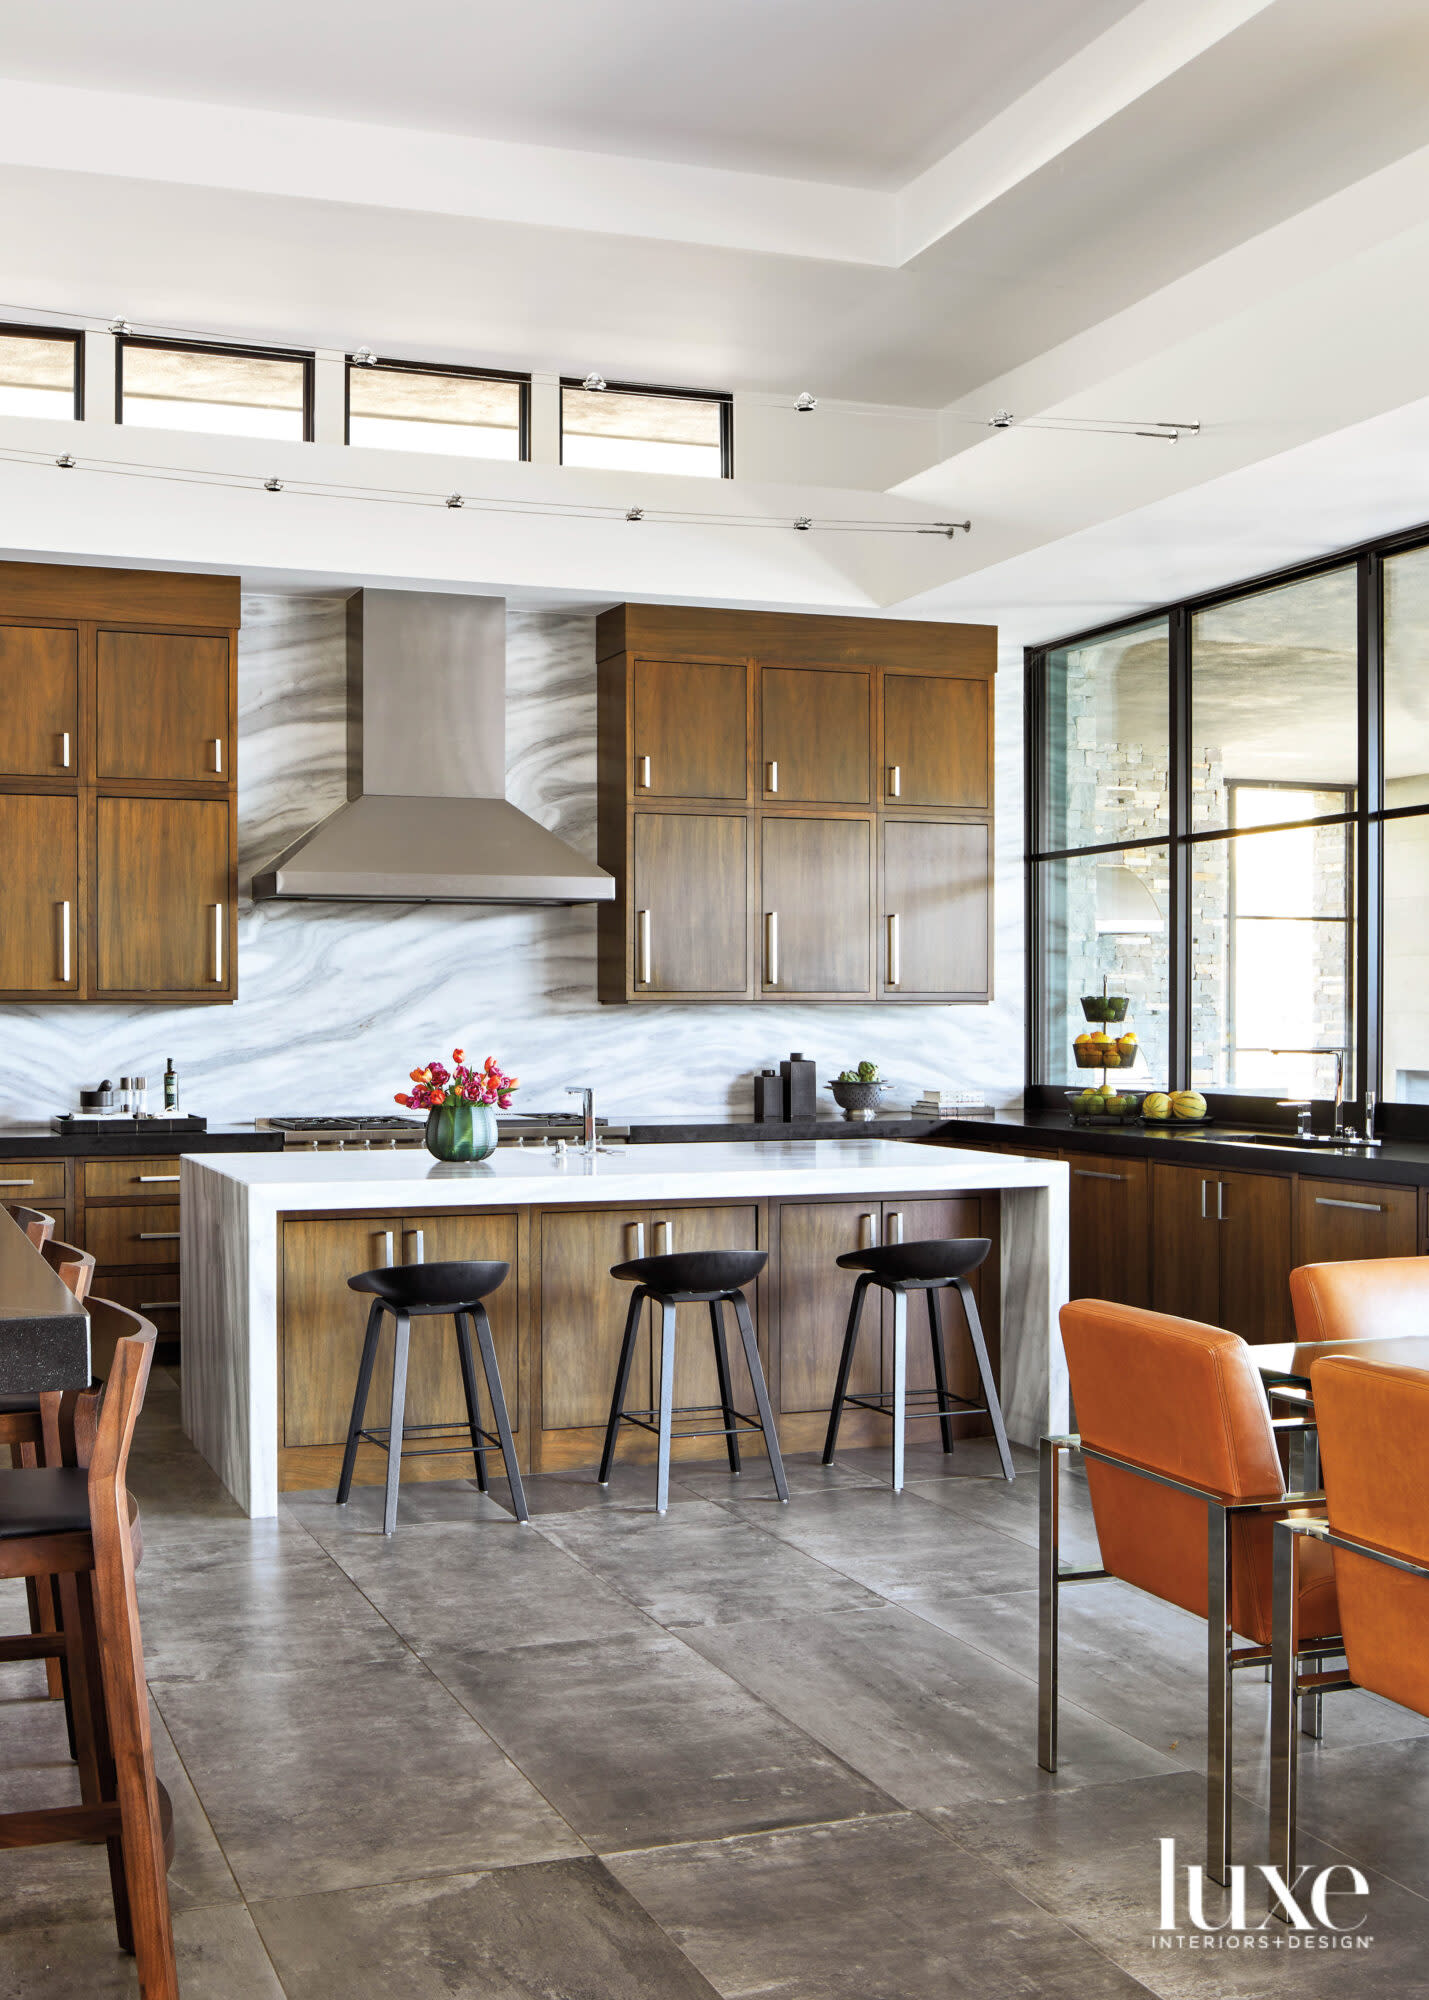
(436, 1086)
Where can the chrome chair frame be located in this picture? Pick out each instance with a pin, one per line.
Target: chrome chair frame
(1223, 1656)
(1288, 1684)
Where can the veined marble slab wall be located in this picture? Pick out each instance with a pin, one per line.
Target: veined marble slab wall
(338, 1002)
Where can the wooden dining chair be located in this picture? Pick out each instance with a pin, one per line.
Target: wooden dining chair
(38, 1226)
(75, 1523)
(74, 1266)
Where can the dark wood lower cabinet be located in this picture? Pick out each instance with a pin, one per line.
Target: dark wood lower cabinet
(1341, 1220)
(1109, 1216)
(39, 894)
(814, 1299)
(1221, 1250)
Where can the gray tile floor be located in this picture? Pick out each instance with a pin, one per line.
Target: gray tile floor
(746, 1750)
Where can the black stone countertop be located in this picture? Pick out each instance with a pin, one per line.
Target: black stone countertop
(41, 1142)
(1224, 1145)
(44, 1330)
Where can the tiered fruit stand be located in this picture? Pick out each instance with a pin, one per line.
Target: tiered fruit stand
(1105, 1103)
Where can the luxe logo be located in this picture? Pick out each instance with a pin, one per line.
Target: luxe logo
(1304, 1906)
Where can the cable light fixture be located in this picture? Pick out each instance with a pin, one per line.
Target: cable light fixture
(1162, 429)
(595, 383)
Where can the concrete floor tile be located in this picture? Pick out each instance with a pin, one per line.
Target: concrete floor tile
(219, 1952)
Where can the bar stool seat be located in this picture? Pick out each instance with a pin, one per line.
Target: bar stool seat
(427, 1291)
(931, 1266)
(687, 1277)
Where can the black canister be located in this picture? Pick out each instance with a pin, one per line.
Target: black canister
(801, 1088)
(768, 1097)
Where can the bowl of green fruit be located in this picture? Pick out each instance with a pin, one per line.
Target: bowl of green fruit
(857, 1091)
(1104, 1107)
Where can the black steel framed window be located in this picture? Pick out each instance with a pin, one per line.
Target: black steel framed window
(41, 371)
(433, 406)
(641, 426)
(213, 386)
(1228, 818)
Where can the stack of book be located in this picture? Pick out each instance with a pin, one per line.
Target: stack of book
(936, 1101)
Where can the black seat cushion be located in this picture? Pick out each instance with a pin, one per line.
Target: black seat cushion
(431, 1288)
(942, 1258)
(43, 1502)
(695, 1270)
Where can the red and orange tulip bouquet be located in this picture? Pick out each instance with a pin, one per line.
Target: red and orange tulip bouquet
(437, 1086)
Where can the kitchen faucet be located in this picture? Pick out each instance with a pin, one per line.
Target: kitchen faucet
(1340, 1133)
(589, 1143)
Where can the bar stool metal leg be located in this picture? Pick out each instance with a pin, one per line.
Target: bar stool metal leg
(622, 1381)
(359, 1400)
(498, 1404)
(667, 1405)
(985, 1376)
(400, 1344)
(745, 1322)
(721, 1355)
(940, 1367)
(855, 1313)
(473, 1401)
(900, 1382)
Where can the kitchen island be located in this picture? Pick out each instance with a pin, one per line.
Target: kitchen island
(272, 1334)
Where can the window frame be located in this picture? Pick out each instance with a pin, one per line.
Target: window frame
(397, 367)
(74, 335)
(124, 341)
(723, 397)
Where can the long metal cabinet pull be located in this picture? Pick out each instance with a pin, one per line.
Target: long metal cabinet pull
(895, 956)
(1203, 1201)
(771, 947)
(773, 774)
(642, 924)
(158, 1235)
(158, 1177)
(419, 1238)
(17, 1183)
(218, 944)
(64, 942)
(893, 1226)
(1220, 1201)
(1090, 1174)
(867, 1234)
(662, 1239)
(158, 1305)
(634, 1239)
(389, 1255)
(1370, 1207)
(64, 750)
(895, 781)
(218, 756)
(644, 767)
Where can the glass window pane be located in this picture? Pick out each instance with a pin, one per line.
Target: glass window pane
(242, 395)
(417, 410)
(37, 376)
(1106, 757)
(632, 432)
(1406, 960)
(1274, 693)
(1104, 919)
(1272, 955)
(1406, 682)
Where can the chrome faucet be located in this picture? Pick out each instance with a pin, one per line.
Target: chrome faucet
(589, 1143)
(1340, 1133)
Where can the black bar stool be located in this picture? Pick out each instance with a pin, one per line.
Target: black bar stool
(411, 1291)
(900, 1268)
(692, 1277)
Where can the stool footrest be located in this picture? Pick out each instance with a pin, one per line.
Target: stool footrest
(952, 1406)
(381, 1436)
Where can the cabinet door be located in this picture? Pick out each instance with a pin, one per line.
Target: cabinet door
(921, 1222)
(1109, 1230)
(323, 1324)
(163, 707)
(816, 736)
(39, 701)
(1185, 1246)
(817, 903)
(691, 901)
(814, 1299)
(139, 1232)
(161, 897)
(434, 1387)
(936, 742)
(1342, 1220)
(583, 1316)
(1254, 1225)
(691, 730)
(39, 893)
(937, 900)
(696, 1379)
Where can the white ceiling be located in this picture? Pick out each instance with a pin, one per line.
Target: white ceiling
(863, 93)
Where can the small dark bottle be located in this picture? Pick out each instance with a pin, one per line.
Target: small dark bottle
(768, 1097)
(171, 1089)
(801, 1088)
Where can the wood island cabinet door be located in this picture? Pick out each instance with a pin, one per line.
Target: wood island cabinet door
(324, 1323)
(1185, 1246)
(434, 1386)
(39, 893)
(1255, 1259)
(814, 1297)
(937, 881)
(923, 1222)
(936, 737)
(691, 738)
(583, 1316)
(163, 707)
(39, 702)
(696, 1379)
(1339, 1221)
(691, 903)
(816, 902)
(1109, 1228)
(162, 897)
(815, 733)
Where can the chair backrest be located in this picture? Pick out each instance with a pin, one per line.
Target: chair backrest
(1367, 1298)
(108, 1325)
(38, 1226)
(1373, 1422)
(1182, 1399)
(74, 1266)
(132, 1338)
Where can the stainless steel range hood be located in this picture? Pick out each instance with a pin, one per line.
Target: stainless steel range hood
(427, 821)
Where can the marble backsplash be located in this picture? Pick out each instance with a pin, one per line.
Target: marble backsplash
(336, 1003)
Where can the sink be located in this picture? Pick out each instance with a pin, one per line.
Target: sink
(1295, 1144)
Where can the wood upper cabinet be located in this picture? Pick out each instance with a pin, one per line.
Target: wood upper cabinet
(163, 707)
(1220, 1250)
(1109, 1217)
(691, 729)
(1338, 1221)
(39, 893)
(937, 742)
(816, 735)
(163, 904)
(816, 891)
(39, 702)
(691, 903)
(937, 909)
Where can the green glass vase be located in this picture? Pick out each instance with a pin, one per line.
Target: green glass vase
(461, 1131)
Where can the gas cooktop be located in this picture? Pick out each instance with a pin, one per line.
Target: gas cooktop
(366, 1131)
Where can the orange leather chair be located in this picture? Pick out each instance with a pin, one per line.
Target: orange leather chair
(1373, 1422)
(1367, 1298)
(1186, 1484)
